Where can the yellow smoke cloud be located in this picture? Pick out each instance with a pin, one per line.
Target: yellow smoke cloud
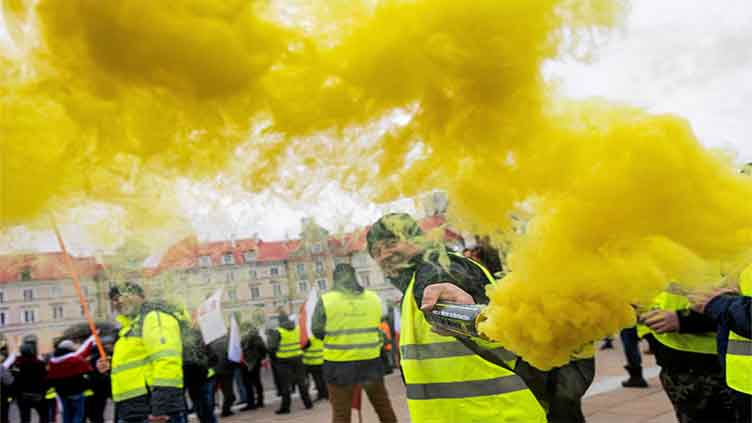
(98, 93)
(638, 204)
(393, 97)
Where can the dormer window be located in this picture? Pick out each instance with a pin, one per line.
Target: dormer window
(25, 273)
(228, 259)
(204, 261)
(249, 256)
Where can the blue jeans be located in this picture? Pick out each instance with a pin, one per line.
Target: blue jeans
(631, 343)
(240, 385)
(205, 407)
(73, 408)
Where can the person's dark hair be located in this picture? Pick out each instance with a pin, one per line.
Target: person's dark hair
(345, 278)
(26, 350)
(392, 226)
(126, 288)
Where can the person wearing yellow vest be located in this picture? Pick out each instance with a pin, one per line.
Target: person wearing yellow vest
(285, 343)
(732, 310)
(347, 319)
(684, 344)
(446, 381)
(146, 368)
(313, 359)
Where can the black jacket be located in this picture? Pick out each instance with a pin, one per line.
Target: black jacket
(30, 374)
(254, 349)
(690, 322)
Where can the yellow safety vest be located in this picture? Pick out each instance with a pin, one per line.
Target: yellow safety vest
(739, 352)
(51, 394)
(147, 354)
(447, 382)
(696, 343)
(289, 343)
(314, 355)
(352, 326)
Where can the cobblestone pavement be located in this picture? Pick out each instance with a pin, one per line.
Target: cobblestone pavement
(605, 402)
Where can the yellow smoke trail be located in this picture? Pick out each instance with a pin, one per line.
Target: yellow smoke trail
(446, 95)
(109, 91)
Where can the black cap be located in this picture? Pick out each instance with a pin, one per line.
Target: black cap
(394, 226)
(128, 288)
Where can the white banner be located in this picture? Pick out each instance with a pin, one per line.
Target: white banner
(234, 350)
(210, 318)
(9, 361)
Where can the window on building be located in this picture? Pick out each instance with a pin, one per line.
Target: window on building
(204, 261)
(277, 290)
(26, 273)
(274, 271)
(228, 258)
(255, 294)
(230, 276)
(249, 256)
(365, 278)
(316, 248)
(56, 291)
(2, 318)
(232, 294)
(252, 273)
(303, 286)
(2, 297)
(28, 294)
(57, 311)
(301, 268)
(319, 267)
(321, 283)
(28, 316)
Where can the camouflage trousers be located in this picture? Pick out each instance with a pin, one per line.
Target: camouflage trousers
(700, 397)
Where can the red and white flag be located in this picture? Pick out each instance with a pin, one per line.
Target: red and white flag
(305, 316)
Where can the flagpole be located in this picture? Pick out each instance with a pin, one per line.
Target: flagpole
(77, 285)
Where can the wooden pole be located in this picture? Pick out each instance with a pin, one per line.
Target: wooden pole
(77, 285)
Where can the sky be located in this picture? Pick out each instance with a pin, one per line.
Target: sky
(686, 57)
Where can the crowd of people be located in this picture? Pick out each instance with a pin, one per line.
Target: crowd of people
(158, 368)
(157, 358)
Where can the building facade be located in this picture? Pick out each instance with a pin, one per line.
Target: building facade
(257, 278)
(37, 297)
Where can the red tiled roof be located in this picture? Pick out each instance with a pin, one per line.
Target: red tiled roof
(433, 222)
(348, 243)
(276, 250)
(45, 266)
(185, 253)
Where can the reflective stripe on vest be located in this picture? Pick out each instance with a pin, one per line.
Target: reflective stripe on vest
(314, 355)
(697, 343)
(447, 382)
(739, 352)
(289, 343)
(352, 326)
(128, 364)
